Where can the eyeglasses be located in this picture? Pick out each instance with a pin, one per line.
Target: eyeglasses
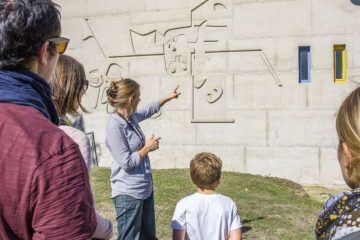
(86, 85)
(60, 43)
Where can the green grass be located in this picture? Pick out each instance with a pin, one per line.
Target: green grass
(270, 208)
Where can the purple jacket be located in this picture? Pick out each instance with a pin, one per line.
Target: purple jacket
(44, 185)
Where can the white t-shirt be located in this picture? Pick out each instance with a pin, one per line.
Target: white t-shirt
(206, 216)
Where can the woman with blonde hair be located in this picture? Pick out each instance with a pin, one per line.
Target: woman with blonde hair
(68, 85)
(340, 218)
(131, 178)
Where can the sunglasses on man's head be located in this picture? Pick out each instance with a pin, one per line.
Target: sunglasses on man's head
(60, 43)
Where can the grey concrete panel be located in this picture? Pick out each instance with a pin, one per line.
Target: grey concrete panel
(76, 30)
(302, 128)
(85, 8)
(249, 129)
(70, 9)
(217, 34)
(260, 91)
(355, 50)
(146, 66)
(149, 87)
(322, 56)
(212, 9)
(259, 1)
(321, 50)
(109, 7)
(334, 16)
(330, 172)
(174, 127)
(287, 50)
(272, 19)
(183, 102)
(209, 100)
(179, 156)
(267, 45)
(113, 34)
(166, 4)
(246, 62)
(147, 17)
(297, 164)
(325, 94)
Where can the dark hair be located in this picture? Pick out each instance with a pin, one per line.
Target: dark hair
(205, 169)
(24, 26)
(67, 84)
(120, 91)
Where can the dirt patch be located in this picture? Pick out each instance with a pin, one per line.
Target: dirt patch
(321, 193)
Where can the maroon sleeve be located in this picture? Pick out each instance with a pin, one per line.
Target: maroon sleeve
(61, 199)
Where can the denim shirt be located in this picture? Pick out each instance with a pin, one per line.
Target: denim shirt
(130, 174)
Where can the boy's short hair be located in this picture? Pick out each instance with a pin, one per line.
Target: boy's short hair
(205, 169)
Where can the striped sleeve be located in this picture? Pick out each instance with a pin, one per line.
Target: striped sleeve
(61, 198)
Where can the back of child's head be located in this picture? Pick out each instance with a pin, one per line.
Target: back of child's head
(205, 170)
(348, 129)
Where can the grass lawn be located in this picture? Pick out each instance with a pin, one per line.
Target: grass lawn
(270, 208)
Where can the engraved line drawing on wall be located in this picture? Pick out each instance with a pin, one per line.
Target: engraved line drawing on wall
(186, 51)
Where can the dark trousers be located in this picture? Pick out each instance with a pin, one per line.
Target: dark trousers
(135, 218)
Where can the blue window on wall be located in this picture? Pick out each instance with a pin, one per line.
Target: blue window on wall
(304, 64)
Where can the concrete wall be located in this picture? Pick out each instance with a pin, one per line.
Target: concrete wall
(229, 58)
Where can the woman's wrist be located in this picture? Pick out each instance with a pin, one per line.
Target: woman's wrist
(143, 151)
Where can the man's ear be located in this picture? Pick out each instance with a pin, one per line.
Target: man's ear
(43, 53)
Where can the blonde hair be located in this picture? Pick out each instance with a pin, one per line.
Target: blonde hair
(348, 129)
(67, 84)
(205, 169)
(120, 92)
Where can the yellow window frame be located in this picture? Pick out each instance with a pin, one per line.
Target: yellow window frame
(340, 77)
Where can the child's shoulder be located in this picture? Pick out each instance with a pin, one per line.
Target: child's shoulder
(188, 198)
(217, 197)
(225, 199)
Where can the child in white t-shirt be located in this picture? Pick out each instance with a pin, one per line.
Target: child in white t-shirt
(206, 214)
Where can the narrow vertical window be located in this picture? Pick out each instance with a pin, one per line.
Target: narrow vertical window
(339, 63)
(304, 64)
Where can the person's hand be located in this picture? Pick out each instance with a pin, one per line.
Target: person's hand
(174, 93)
(152, 143)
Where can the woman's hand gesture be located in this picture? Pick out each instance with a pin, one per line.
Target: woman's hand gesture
(174, 94)
(152, 143)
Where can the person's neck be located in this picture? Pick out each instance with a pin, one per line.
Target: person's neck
(124, 112)
(206, 191)
(35, 68)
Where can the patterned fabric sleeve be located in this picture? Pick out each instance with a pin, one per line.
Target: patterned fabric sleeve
(348, 224)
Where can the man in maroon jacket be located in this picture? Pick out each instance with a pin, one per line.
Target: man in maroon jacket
(44, 186)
